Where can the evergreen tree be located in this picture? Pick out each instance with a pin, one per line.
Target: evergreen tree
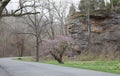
(94, 5)
(82, 6)
(72, 9)
(101, 4)
(114, 3)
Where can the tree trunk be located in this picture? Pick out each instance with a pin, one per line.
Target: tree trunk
(22, 50)
(89, 27)
(3, 4)
(37, 49)
(58, 59)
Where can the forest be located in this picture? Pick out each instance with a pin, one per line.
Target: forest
(50, 30)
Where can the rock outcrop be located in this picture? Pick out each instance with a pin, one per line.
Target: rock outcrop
(105, 32)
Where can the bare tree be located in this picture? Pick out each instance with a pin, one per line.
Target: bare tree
(17, 12)
(87, 9)
(89, 26)
(20, 44)
(3, 4)
(57, 15)
(36, 24)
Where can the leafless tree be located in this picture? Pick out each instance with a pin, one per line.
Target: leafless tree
(3, 4)
(87, 10)
(36, 24)
(18, 12)
(57, 15)
(89, 26)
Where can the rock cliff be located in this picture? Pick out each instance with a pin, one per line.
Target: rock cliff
(105, 34)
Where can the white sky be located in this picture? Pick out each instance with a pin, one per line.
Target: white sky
(13, 4)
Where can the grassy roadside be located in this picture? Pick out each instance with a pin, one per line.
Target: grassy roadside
(104, 66)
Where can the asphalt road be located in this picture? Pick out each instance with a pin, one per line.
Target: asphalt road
(3, 72)
(10, 67)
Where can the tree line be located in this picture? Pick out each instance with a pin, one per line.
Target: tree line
(37, 27)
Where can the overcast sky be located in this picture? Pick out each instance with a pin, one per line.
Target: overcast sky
(14, 3)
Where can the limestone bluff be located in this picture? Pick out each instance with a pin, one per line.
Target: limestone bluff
(105, 32)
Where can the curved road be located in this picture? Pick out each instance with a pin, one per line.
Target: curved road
(10, 67)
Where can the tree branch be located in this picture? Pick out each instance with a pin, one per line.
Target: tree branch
(22, 7)
(27, 33)
(3, 5)
(17, 15)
